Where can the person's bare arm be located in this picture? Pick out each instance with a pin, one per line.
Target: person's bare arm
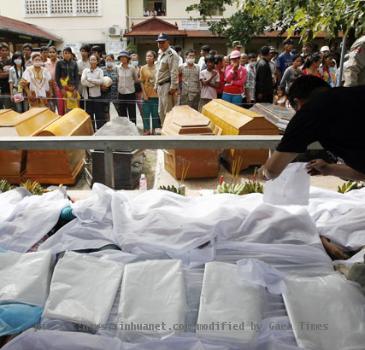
(320, 167)
(275, 165)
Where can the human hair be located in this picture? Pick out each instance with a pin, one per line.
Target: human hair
(178, 49)
(44, 48)
(190, 51)
(326, 57)
(209, 58)
(213, 52)
(17, 54)
(295, 57)
(4, 45)
(218, 59)
(52, 48)
(306, 87)
(153, 53)
(67, 49)
(85, 47)
(27, 46)
(265, 51)
(97, 48)
(251, 56)
(205, 48)
(288, 42)
(311, 59)
(110, 55)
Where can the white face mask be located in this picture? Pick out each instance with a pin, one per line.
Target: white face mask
(18, 61)
(37, 64)
(110, 64)
(190, 60)
(135, 63)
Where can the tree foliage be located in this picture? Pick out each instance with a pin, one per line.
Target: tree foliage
(304, 17)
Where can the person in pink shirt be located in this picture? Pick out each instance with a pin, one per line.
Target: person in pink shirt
(235, 77)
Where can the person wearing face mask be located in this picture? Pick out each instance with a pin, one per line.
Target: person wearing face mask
(189, 76)
(150, 97)
(15, 74)
(110, 93)
(35, 82)
(92, 79)
(251, 78)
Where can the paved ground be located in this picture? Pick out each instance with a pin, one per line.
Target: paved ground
(157, 175)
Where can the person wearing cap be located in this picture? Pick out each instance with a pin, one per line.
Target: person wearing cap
(236, 46)
(354, 72)
(235, 77)
(127, 79)
(324, 51)
(285, 59)
(264, 82)
(204, 52)
(167, 76)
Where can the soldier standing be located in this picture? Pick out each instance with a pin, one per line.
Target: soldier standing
(167, 76)
(354, 72)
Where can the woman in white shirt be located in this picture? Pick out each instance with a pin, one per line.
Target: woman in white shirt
(127, 77)
(35, 82)
(91, 80)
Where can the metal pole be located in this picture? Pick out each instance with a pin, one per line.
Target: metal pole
(342, 61)
(108, 167)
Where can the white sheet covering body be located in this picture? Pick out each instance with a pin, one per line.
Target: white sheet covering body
(83, 289)
(326, 313)
(30, 220)
(153, 292)
(227, 300)
(24, 278)
(291, 187)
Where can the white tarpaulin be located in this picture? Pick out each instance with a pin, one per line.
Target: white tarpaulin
(224, 300)
(291, 187)
(24, 278)
(30, 220)
(153, 292)
(326, 312)
(278, 225)
(83, 289)
(9, 200)
(92, 228)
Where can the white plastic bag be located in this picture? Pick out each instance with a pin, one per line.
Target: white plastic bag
(326, 312)
(83, 289)
(153, 292)
(9, 200)
(226, 301)
(24, 278)
(291, 187)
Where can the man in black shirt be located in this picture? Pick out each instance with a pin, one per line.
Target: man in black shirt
(264, 77)
(333, 117)
(5, 65)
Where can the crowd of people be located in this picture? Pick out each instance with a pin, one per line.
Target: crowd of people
(46, 78)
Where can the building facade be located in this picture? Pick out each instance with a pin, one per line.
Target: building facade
(77, 22)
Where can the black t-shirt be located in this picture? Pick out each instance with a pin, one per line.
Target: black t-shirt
(4, 82)
(336, 119)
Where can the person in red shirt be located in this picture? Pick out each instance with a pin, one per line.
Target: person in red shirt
(235, 77)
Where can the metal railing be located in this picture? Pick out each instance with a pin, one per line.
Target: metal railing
(114, 143)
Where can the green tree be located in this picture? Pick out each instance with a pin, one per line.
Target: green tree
(304, 17)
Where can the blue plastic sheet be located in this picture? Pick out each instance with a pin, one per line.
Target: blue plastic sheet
(16, 318)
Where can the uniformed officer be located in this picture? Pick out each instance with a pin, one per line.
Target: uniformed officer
(354, 72)
(167, 76)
